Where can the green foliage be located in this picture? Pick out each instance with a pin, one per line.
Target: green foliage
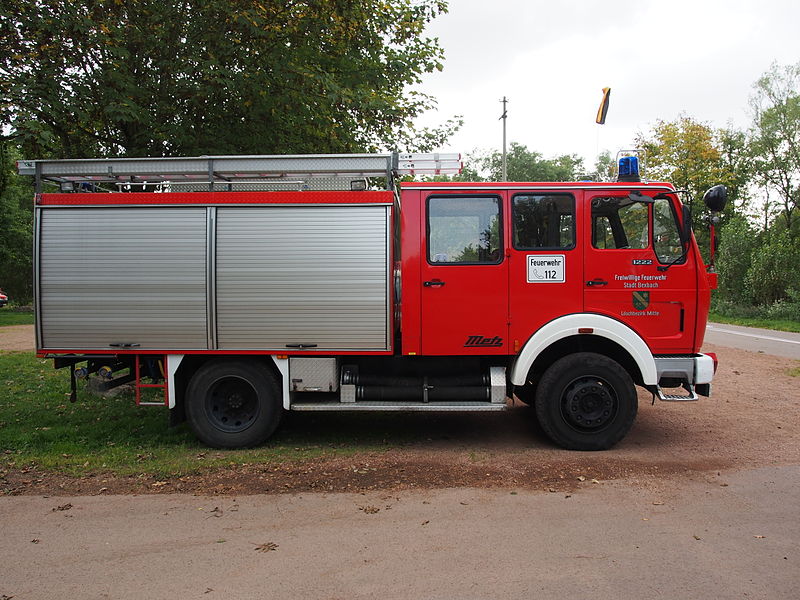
(605, 167)
(16, 226)
(522, 165)
(738, 241)
(10, 316)
(156, 78)
(749, 316)
(695, 157)
(775, 137)
(774, 269)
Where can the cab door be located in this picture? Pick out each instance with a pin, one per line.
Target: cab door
(545, 261)
(636, 270)
(464, 271)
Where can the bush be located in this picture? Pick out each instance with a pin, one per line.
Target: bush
(737, 244)
(774, 270)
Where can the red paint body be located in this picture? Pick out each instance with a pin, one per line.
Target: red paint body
(497, 301)
(494, 305)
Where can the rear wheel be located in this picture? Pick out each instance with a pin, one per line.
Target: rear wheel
(233, 404)
(586, 401)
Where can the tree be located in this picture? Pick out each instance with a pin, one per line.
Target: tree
(524, 165)
(775, 136)
(168, 77)
(738, 242)
(605, 167)
(16, 225)
(694, 157)
(686, 153)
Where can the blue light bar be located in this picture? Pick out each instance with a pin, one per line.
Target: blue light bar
(629, 168)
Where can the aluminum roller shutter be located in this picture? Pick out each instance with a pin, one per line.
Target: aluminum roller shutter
(131, 275)
(303, 274)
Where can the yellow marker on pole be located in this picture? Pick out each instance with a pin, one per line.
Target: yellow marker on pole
(601, 112)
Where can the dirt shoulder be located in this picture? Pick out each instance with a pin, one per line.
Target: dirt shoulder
(17, 337)
(752, 420)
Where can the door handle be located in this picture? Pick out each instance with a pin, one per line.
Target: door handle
(433, 283)
(596, 282)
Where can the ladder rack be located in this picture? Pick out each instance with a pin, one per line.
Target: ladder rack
(206, 172)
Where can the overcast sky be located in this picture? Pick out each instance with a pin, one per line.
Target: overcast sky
(551, 59)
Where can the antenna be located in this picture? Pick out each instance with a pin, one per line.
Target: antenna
(503, 117)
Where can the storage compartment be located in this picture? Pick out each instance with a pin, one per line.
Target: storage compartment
(313, 375)
(114, 276)
(303, 277)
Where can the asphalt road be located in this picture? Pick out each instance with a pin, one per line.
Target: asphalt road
(778, 343)
(718, 536)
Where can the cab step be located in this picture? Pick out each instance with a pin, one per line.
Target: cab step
(691, 394)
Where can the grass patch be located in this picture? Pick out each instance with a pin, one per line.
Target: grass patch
(38, 425)
(10, 316)
(764, 323)
(793, 372)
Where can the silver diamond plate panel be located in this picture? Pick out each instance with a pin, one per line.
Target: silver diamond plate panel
(313, 375)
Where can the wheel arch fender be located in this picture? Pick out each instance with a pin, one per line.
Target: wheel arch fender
(180, 369)
(579, 324)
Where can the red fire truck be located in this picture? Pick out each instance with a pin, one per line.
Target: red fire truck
(232, 289)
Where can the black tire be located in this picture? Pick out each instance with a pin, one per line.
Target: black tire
(586, 401)
(233, 404)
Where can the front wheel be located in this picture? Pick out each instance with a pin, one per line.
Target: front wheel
(233, 404)
(586, 401)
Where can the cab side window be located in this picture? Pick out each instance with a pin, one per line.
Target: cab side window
(543, 221)
(464, 230)
(619, 222)
(666, 235)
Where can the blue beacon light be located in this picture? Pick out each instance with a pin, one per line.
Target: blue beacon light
(629, 168)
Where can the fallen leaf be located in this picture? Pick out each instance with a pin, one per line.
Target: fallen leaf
(268, 547)
(759, 537)
(595, 481)
(697, 537)
(581, 478)
(658, 503)
(35, 541)
(425, 523)
(370, 510)
(62, 507)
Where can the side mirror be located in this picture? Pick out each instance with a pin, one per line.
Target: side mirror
(716, 198)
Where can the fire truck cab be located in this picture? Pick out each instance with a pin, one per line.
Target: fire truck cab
(241, 287)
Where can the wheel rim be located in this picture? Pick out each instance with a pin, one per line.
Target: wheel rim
(231, 404)
(589, 404)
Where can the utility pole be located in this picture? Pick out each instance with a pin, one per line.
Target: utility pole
(503, 117)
